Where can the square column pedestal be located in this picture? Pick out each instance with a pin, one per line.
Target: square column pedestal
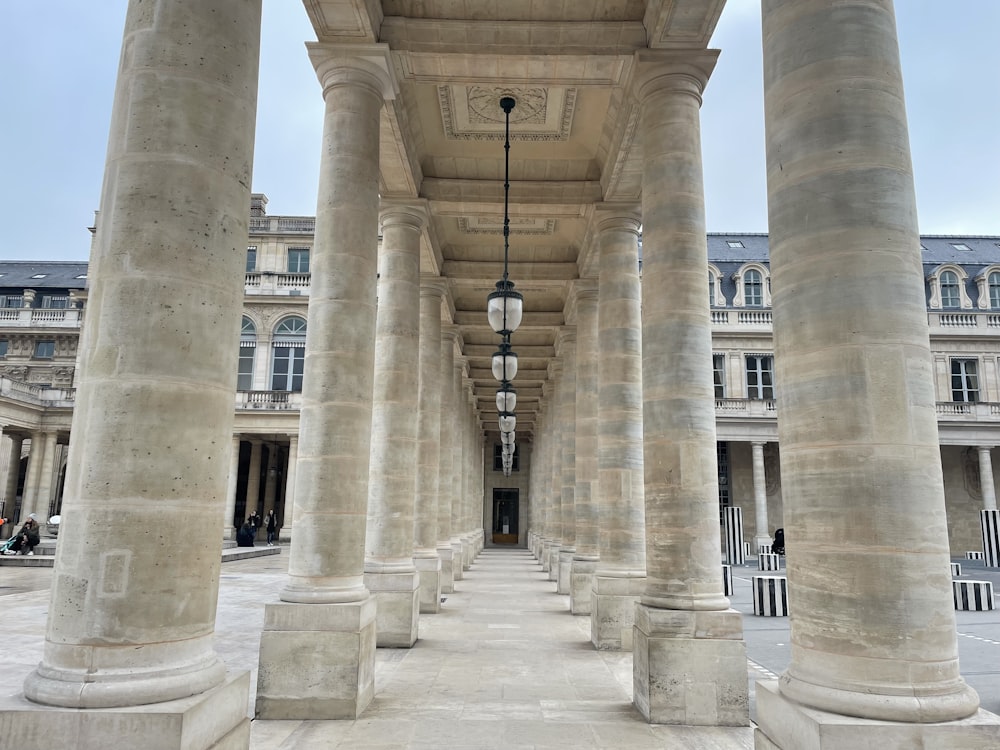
(214, 720)
(457, 565)
(317, 661)
(565, 564)
(690, 667)
(581, 582)
(784, 725)
(429, 571)
(397, 601)
(447, 570)
(612, 611)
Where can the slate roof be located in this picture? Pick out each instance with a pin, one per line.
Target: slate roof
(16, 274)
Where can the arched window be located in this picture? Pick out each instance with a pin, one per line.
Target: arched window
(753, 288)
(248, 347)
(950, 293)
(289, 354)
(994, 284)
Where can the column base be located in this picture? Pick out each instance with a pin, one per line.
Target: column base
(690, 667)
(468, 551)
(397, 600)
(553, 562)
(429, 570)
(317, 661)
(214, 720)
(565, 562)
(581, 581)
(456, 559)
(447, 574)
(612, 615)
(785, 725)
(545, 556)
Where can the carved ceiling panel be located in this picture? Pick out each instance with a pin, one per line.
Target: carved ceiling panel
(473, 112)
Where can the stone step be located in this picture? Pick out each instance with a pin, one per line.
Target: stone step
(40, 560)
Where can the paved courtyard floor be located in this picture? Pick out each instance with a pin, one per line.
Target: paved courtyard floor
(504, 665)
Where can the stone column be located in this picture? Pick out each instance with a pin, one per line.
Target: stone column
(689, 661)
(10, 489)
(135, 585)
(567, 403)
(389, 571)
(986, 477)
(554, 542)
(621, 572)
(253, 479)
(29, 494)
(425, 554)
(317, 651)
(586, 556)
(228, 527)
(470, 473)
(759, 496)
(449, 335)
(458, 466)
(46, 485)
(270, 483)
(287, 515)
(860, 459)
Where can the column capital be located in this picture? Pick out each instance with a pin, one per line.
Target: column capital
(579, 290)
(450, 332)
(360, 64)
(566, 336)
(433, 286)
(625, 217)
(408, 213)
(672, 70)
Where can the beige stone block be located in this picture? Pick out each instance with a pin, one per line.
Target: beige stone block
(397, 599)
(320, 664)
(581, 581)
(785, 725)
(612, 615)
(690, 668)
(214, 720)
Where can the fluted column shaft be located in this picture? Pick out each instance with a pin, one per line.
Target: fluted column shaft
(134, 591)
(861, 464)
(228, 522)
(389, 539)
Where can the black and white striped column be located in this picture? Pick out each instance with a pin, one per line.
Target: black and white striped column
(770, 596)
(735, 551)
(990, 521)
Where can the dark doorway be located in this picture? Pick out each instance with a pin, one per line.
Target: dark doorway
(505, 502)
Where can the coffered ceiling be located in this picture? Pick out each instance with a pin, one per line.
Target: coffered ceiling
(567, 63)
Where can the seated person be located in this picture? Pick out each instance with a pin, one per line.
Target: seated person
(27, 537)
(244, 537)
(778, 546)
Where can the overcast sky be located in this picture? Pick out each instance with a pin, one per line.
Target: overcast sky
(60, 57)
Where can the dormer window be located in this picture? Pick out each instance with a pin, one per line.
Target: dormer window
(753, 286)
(950, 296)
(715, 296)
(988, 285)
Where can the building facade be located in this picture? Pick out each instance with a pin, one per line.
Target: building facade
(40, 328)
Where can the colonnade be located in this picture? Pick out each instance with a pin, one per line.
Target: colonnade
(645, 530)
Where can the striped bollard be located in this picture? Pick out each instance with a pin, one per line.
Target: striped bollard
(727, 580)
(973, 595)
(768, 561)
(735, 554)
(746, 549)
(973, 555)
(770, 596)
(990, 521)
(956, 569)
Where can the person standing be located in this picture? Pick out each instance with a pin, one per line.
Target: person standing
(272, 527)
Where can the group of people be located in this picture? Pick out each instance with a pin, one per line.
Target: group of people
(26, 539)
(247, 533)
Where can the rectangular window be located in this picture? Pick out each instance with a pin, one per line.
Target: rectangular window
(964, 381)
(498, 458)
(3, 348)
(11, 300)
(298, 260)
(244, 378)
(719, 374)
(55, 301)
(722, 451)
(45, 349)
(251, 258)
(734, 243)
(760, 377)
